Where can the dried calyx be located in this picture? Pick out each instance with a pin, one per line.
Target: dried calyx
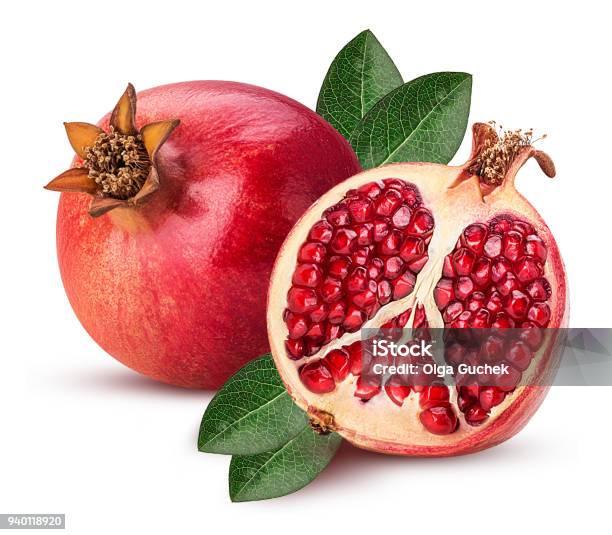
(118, 167)
(498, 151)
(119, 164)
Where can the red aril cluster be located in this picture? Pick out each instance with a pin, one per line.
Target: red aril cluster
(362, 254)
(494, 279)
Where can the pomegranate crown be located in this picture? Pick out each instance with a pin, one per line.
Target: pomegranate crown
(118, 167)
(498, 154)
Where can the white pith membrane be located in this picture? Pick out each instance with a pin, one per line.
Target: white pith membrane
(456, 199)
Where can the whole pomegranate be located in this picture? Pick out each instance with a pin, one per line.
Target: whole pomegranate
(418, 246)
(167, 234)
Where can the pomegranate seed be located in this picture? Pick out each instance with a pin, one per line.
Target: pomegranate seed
(519, 355)
(402, 286)
(439, 420)
(412, 249)
(361, 256)
(365, 234)
(360, 210)
(332, 332)
(463, 321)
(302, 300)
(366, 390)
(394, 183)
(490, 397)
(420, 318)
(531, 335)
(397, 392)
(357, 281)
(339, 267)
(463, 288)
(481, 319)
(337, 312)
(381, 229)
(355, 357)
(393, 267)
(316, 333)
(391, 324)
(354, 319)
(443, 293)
(493, 246)
(296, 325)
(375, 269)
(311, 348)
(499, 268)
(317, 377)
(518, 305)
(522, 227)
(539, 313)
(528, 269)
(508, 382)
(295, 348)
(417, 265)
(534, 246)
(388, 202)
(447, 268)
(502, 321)
(463, 261)
(390, 244)
(371, 190)
(411, 196)
(470, 391)
(421, 222)
(307, 275)
(538, 290)
(476, 301)
(434, 395)
(372, 310)
(337, 215)
(401, 217)
(492, 349)
(453, 311)
(312, 253)
(364, 299)
(331, 290)
(343, 240)
(501, 225)
(321, 232)
(455, 353)
(384, 292)
(319, 313)
(475, 415)
(512, 245)
(402, 320)
(338, 363)
(508, 284)
(481, 274)
(474, 237)
(494, 303)
(463, 404)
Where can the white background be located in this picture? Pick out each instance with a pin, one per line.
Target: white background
(83, 435)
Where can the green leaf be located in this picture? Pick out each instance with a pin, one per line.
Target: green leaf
(252, 413)
(360, 75)
(281, 472)
(422, 121)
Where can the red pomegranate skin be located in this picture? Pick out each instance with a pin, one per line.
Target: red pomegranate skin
(176, 289)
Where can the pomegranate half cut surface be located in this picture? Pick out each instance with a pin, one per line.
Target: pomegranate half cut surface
(421, 246)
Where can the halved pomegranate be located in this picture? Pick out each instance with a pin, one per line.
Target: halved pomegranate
(422, 246)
